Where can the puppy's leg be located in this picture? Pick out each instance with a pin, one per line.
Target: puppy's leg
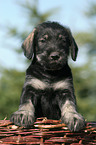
(71, 117)
(25, 115)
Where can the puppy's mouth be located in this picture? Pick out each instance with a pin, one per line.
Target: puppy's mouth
(54, 61)
(54, 65)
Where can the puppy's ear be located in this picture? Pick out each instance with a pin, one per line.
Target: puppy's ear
(28, 45)
(74, 49)
(73, 46)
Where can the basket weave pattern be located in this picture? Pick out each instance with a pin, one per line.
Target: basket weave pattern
(46, 132)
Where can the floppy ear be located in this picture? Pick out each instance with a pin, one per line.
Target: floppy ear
(73, 46)
(28, 45)
(74, 49)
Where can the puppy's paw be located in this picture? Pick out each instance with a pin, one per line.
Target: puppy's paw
(74, 121)
(22, 118)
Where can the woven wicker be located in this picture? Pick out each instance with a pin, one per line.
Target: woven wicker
(46, 132)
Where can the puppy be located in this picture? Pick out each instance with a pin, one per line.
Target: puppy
(48, 89)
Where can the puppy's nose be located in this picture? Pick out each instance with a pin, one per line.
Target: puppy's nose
(54, 56)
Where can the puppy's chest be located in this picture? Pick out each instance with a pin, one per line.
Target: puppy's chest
(45, 84)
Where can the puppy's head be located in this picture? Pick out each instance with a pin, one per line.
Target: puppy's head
(50, 44)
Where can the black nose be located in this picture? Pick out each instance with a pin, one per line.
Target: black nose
(54, 56)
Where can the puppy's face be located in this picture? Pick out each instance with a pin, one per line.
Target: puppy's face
(50, 44)
(52, 48)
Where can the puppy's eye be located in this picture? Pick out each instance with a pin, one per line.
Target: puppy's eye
(61, 37)
(44, 38)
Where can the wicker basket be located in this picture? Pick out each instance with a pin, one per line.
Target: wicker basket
(46, 132)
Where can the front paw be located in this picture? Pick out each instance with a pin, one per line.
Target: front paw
(74, 121)
(22, 118)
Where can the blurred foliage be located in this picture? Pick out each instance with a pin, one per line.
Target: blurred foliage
(85, 90)
(11, 81)
(33, 14)
(34, 17)
(85, 75)
(88, 40)
(91, 11)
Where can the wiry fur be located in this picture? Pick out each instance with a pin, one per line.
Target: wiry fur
(48, 89)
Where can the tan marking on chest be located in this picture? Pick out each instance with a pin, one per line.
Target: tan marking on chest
(38, 84)
(64, 84)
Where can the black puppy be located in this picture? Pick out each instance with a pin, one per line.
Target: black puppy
(48, 89)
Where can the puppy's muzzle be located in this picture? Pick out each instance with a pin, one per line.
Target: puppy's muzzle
(54, 56)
